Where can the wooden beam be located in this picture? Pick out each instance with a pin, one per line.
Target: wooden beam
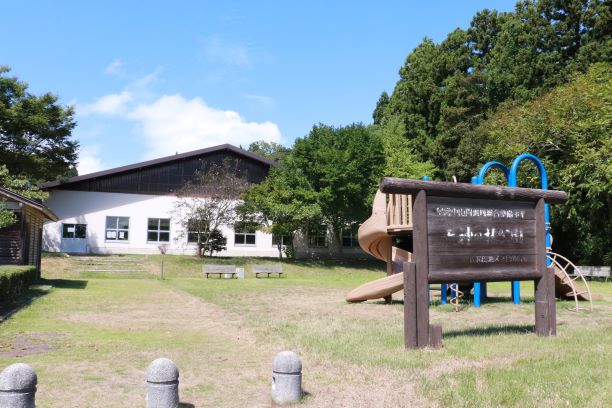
(392, 185)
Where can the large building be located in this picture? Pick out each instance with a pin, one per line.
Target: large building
(132, 209)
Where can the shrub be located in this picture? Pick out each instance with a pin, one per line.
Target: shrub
(14, 280)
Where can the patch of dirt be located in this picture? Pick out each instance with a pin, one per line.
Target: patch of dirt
(29, 344)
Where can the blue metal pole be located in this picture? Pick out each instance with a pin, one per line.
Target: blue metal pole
(443, 293)
(512, 182)
(477, 293)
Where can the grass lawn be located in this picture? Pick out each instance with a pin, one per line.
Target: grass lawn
(91, 335)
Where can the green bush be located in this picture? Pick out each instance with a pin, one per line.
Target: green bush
(14, 280)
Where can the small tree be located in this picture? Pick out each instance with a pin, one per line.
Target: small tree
(208, 201)
(216, 242)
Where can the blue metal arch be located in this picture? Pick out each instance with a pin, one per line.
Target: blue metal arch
(492, 164)
(512, 182)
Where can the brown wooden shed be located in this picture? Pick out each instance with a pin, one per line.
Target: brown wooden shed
(20, 243)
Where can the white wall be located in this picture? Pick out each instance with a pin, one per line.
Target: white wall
(92, 208)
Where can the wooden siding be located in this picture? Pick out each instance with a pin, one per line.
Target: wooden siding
(167, 178)
(11, 243)
(20, 243)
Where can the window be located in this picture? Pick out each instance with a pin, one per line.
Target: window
(194, 229)
(74, 230)
(282, 240)
(244, 233)
(317, 236)
(117, 228)
(158, 230)
(349, 236)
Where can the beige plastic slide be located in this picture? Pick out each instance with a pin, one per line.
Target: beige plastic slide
(374, 239)
(383, 287)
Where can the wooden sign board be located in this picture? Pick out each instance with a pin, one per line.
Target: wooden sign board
(477, 239)
(467, 233)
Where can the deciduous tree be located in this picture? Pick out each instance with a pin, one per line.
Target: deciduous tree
(343, 166)
(209, 201)
(282, 204)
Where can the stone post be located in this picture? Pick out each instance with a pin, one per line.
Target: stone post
(18, 386)
(240, 273)
(286, 378)
(162, 384)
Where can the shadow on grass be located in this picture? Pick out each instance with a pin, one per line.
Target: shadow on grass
(64, 283)
(491, 330)
(36, 291)
(185, 405)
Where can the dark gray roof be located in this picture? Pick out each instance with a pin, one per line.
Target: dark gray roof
(11, 195)
(154, 162)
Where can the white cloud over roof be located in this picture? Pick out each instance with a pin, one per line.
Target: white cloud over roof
(173, 123)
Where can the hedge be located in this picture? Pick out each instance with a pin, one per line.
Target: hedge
(14, 280)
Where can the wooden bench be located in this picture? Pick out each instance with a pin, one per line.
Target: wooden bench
(267, 269)
(220, 270)
(595, 271)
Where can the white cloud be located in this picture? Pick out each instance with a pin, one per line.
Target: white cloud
(114, 68)
(225, 53)
(261, 99)
(142, 83)
(89, 160)
(175, 124)
(111, 104)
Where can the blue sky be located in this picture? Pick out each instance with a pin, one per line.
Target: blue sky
(149, 79)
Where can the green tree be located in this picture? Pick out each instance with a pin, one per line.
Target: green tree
(19, 185)
(381, 105)
(282, 204)
(569, 129)
(343, 166)
(35, 132)
(271, 150)
(445, 90)
(400, 159)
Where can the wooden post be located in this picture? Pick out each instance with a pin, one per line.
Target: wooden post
(410, 307)
(389, 299)
(422, 267)
(545, 307)
(552, 302)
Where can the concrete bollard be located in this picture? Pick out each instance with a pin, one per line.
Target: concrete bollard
(162, 384)
(240, 272)
(286, 378)
(18, 386)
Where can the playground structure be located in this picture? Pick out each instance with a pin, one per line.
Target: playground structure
(392, 217)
